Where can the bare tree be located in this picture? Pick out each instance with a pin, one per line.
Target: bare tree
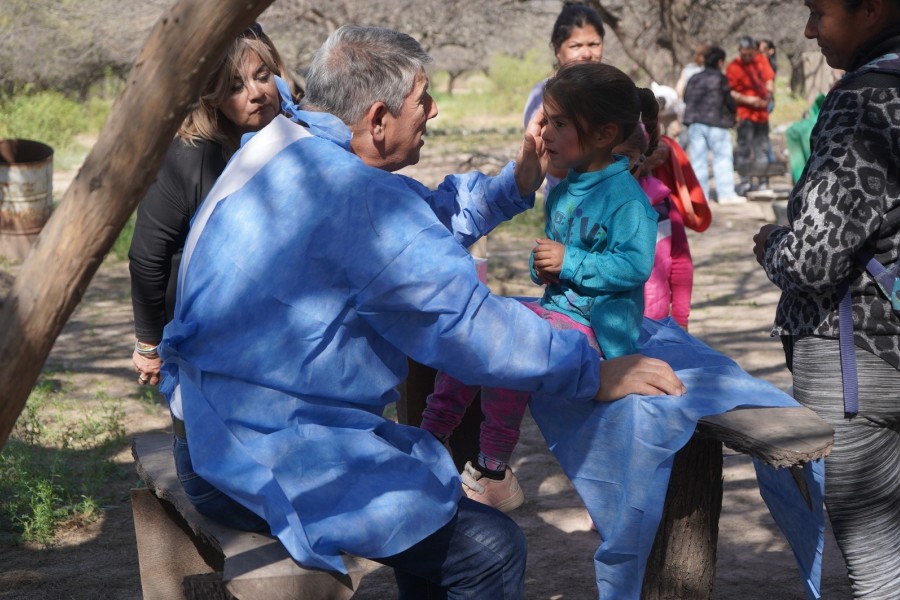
(659, 35)
(70, 45)
(462, 35)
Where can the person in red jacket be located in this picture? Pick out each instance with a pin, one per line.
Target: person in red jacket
(752, 83)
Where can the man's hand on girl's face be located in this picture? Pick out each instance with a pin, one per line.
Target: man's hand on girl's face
(531, 160)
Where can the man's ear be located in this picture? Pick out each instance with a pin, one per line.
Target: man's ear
(375, 119)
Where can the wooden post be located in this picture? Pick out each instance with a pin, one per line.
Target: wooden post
(682, 564)
(167, 76)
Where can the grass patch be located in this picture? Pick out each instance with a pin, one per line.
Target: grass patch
(489, 101)
(528, 224)
(55, 466)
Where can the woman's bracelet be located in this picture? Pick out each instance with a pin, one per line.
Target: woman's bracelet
(146, 350)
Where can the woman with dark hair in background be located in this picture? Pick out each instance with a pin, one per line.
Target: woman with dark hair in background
(577, 37)
(844, 209)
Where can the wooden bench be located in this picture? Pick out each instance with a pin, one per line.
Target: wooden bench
(183, 554)
(682, 563)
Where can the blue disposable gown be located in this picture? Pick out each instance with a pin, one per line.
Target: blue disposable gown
(307, 279)
(619, 457)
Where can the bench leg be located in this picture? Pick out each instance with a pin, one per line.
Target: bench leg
(682, 564)
(166, 552)
(419, 383)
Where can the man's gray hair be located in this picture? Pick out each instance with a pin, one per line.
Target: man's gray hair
(358, 66)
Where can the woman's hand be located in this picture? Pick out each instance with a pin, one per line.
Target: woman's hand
(146, 368)
(637, 374)
(760, 239)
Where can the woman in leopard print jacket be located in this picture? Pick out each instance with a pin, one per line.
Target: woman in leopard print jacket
(847, 202)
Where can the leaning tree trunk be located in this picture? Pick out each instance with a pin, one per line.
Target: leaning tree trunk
(166, 77)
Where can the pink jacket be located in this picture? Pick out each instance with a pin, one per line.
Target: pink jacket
(668, 291)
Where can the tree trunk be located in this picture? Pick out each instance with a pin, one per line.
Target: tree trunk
(166, 77)
(682, 564)
(616, 22)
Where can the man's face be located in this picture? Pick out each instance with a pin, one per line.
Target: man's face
(404, 133)
(747, 54)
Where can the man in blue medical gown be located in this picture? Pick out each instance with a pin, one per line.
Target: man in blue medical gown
(311, 272)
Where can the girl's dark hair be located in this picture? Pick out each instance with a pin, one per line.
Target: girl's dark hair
(573, 16)
(594, 94)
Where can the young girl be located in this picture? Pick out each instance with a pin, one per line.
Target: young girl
(596, 256)
(668, 290)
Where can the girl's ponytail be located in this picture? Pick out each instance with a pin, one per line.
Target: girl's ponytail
(650, 118)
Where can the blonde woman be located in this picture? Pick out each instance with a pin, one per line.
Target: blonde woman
(239, 98)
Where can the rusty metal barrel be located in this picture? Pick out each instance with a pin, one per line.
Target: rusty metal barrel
(26, 194)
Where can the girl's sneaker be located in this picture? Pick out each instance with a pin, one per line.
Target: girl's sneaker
(504, 494)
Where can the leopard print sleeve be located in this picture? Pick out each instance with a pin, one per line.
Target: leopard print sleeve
(850, 183)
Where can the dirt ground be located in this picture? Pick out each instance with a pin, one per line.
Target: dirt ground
(732, 311)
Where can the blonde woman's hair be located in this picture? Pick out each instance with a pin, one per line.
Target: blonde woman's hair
(206, 121)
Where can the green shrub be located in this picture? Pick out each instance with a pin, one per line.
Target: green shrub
(54, 119)
(55, 466)
(48, 117)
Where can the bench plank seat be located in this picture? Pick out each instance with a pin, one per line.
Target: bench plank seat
(181, 550)
(781, 437)
(682, 563)
(251, 565)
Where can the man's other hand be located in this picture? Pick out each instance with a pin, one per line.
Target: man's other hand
(637, 374)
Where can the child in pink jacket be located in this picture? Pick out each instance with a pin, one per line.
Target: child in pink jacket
(668, 291)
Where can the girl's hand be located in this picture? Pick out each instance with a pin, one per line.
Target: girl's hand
(546, 278)
(548, 258)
